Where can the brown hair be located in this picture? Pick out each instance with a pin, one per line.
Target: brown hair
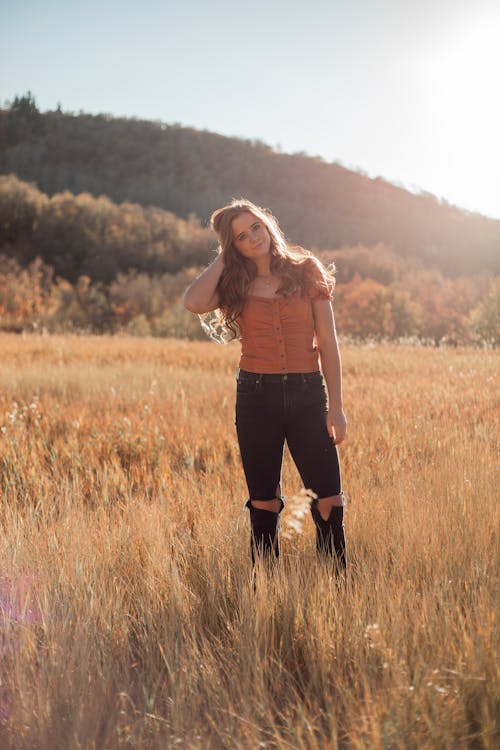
(291, 262)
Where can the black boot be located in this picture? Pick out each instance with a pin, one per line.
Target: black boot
(264, 539)
(330, 535)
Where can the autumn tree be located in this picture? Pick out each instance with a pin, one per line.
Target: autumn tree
(484, 319)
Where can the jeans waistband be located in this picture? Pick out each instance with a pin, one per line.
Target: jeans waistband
(286, 377)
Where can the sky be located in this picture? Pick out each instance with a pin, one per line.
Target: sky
(402, 89)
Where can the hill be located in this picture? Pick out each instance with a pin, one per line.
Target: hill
(191, 172)
(73, 262)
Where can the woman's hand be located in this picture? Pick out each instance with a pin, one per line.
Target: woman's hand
(336, 424)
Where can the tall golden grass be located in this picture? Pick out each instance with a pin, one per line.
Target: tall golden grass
(128, 616)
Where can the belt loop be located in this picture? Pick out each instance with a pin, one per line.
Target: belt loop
(304, 381)
(258, 384)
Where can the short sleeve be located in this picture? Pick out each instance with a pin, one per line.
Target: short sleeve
(317, 284)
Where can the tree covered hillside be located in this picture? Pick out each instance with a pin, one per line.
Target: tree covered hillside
(191, 172)
(76, 262)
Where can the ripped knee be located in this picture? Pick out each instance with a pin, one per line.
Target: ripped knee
(325, 504)
(274, 505)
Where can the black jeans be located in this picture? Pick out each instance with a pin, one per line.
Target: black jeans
(273, 408)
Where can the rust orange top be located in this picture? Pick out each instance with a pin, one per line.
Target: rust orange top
(277, 333)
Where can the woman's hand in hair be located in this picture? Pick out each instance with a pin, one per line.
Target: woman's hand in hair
(336, 424)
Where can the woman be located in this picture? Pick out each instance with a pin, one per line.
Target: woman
(277, 299)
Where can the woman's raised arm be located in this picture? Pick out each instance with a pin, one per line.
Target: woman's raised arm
(201, 296)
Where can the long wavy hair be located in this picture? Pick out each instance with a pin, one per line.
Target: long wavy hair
(291, 263)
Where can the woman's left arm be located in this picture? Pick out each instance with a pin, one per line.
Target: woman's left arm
(326, 336)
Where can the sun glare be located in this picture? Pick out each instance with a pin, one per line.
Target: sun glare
(467, 65)
(460, 79)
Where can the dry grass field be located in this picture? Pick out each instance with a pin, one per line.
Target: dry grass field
(127, 614)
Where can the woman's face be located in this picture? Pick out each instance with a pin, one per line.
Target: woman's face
(250, 236)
